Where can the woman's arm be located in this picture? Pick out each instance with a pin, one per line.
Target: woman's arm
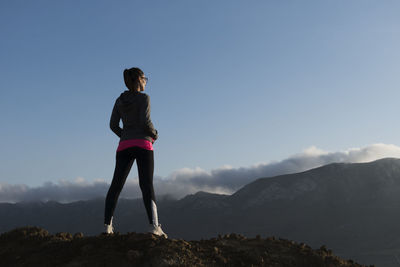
(145, 118)
(114, 121)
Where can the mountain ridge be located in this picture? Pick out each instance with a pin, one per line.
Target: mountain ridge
(351, 207)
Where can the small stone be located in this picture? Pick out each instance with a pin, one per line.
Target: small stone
(78, 235)
(64, 236)
(233, 236)
(184, 242)
(241, 237)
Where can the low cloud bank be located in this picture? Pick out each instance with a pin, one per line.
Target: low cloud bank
(224, 180)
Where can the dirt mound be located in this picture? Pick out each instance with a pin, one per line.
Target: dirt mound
(33, 246)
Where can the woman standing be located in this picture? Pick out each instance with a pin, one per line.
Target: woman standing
(136, 142)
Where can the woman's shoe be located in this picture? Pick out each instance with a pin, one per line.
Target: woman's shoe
(156, 229)
(109, 227)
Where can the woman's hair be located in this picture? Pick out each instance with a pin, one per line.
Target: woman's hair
(131, 78)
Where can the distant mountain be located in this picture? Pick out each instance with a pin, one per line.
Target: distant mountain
(352, 208)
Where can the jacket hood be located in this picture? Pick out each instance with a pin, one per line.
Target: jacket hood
(128, 98)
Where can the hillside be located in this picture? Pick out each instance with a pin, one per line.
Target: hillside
(33, 246)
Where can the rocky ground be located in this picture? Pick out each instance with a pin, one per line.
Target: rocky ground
(33, 246)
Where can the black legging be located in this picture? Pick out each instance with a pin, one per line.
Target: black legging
(124, 161)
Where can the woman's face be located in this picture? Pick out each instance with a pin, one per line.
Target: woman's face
(142, 83)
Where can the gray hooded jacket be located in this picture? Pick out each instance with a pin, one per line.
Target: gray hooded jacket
(134, 110)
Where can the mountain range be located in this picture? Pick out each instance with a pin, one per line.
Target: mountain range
(352, 208)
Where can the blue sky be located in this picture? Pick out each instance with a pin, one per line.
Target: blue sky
(231, 82)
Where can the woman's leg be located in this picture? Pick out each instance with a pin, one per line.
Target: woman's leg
(123, 165)
(145, 163)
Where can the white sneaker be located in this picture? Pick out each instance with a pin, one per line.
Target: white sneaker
(109, 227)
(156, 229)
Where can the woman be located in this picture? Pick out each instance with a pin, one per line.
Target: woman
(136, 142)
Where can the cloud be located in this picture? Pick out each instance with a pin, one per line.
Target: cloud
(224, 180)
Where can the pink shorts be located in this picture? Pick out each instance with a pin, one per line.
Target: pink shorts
(143, 143)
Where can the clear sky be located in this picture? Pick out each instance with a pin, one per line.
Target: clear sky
(231, 82)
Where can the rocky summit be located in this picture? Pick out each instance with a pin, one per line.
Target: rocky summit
(34, 246)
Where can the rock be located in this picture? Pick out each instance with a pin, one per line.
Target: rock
(78, 235)
(34, 245)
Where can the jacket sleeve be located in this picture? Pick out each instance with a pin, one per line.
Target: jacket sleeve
(114, 121)
(146, 120)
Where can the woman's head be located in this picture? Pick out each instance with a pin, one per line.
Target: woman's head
(134, 79)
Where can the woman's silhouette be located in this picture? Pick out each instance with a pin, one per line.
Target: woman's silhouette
(136, 142)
